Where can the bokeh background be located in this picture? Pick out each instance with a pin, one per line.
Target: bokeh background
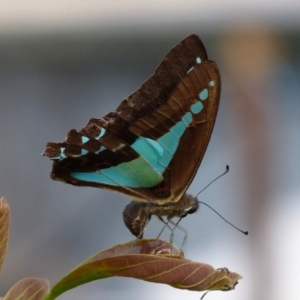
(63, 62)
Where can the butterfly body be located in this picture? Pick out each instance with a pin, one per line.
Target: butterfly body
(151, 147)
(137, 214)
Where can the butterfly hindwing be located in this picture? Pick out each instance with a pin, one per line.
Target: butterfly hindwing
(149, 148)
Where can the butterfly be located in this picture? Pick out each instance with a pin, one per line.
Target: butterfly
(150, 148)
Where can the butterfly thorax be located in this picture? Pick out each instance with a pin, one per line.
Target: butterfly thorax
(137, 214)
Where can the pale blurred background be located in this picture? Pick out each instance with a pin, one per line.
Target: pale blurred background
(63, 62)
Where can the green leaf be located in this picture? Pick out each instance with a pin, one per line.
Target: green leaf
(150, 260)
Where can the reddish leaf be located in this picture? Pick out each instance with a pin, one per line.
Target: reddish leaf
(4, 228)
(28, 289)
(228, 280)
(151, 260)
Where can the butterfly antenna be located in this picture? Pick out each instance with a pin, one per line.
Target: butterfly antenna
(226, 171)
(244, 232)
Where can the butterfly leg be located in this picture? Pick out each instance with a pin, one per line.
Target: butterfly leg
(176, 225)
(166, 225)
(141, 234)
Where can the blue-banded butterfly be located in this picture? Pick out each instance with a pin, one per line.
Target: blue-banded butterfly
(151, 147)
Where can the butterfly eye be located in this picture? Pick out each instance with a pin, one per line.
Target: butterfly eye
(191, 210)
(194, 208)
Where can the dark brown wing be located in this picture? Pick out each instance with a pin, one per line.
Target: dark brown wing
(149, 148)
